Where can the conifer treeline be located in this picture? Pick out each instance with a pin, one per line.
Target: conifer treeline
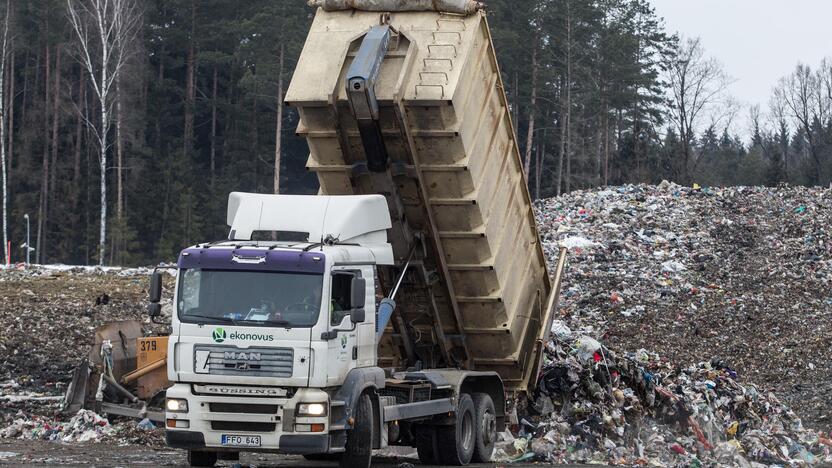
(590, 83)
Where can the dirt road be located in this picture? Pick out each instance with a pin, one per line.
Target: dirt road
(38, 452)
(14, 452)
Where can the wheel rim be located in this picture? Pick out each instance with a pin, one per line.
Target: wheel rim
(489, 428)
(467, 431)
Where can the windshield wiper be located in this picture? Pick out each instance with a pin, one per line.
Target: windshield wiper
(277, 323)
(209, 317)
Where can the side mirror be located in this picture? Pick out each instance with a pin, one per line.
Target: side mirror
(358, 299)
(154, 309)
(358, 296)
(155, 291)
(358, 315)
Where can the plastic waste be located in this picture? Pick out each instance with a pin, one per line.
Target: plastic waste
(146, 424)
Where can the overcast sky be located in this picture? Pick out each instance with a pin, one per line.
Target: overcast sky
(757, 41)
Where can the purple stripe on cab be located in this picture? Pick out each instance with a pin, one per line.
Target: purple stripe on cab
(252, 260)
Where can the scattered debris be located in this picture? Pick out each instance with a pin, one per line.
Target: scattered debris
(85, 426)
(743, 273)
(594, 405)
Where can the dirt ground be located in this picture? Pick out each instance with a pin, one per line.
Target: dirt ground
(27, 452)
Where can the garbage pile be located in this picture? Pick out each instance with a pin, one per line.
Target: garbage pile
(49, 315)
(594, 405)
(85, 426)
(743, 274)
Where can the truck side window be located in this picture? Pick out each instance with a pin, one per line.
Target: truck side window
(189, 290)
(339, 303)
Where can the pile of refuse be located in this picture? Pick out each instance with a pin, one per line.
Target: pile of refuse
(742, 275)
(85, 426)
(594, 405)
(50, 314)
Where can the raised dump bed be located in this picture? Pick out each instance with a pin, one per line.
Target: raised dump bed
(481, 297)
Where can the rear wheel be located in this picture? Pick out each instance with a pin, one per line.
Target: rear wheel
(485, 419)
(456, 443)
(359, 449)
(425, 439)
(200, 458)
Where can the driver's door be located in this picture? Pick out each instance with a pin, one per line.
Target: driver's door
(343, 346)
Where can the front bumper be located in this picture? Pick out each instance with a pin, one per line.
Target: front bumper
(296, 444)
(273, 421)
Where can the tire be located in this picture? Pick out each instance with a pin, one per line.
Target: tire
(328, 457)
(359, 449)
(228, 456)
(200, 458)
(485, 417)
(456, 443)
(424, 438)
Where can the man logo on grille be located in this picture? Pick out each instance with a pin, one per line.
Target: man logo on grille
(219, 335)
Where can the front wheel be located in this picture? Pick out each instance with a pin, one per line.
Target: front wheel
(330, 457)
(359, 449)
(200, 458)
(456, 443)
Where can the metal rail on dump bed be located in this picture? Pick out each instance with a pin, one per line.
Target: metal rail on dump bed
(464, 7)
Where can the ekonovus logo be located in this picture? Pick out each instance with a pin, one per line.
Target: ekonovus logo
(219, 335)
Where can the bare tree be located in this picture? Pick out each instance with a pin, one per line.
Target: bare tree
(698, 92)
(3, 133)
(798, 95)
(105, 30)
(779, 121)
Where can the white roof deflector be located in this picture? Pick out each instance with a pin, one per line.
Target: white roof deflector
(353, 219)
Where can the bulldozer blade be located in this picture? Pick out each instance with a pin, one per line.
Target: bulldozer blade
(75, 397)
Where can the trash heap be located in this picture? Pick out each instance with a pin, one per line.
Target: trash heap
(85, 426)
(743, 274)
(50, 314)
(594, 405)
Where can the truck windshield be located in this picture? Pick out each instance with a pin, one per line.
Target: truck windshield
(253, 298)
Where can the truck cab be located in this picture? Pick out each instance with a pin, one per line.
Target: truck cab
(265, 333)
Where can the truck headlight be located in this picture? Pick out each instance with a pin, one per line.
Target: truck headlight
(176, 405)
(312, 409)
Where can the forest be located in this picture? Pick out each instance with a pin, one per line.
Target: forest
(125, 123)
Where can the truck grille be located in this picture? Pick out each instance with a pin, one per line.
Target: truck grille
(252, 362)
(242, 408)
(242, 426)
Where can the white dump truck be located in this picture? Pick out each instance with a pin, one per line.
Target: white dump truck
(406, 302)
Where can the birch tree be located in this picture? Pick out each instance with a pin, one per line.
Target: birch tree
(105, 30)
(3, 133)
(278, 131)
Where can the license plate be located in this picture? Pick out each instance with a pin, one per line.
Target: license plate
(240, 440)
